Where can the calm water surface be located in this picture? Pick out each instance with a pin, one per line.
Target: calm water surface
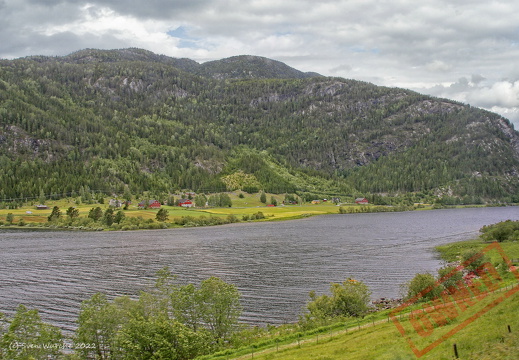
(274, 265)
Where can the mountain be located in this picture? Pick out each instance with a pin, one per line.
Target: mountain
(250, 67)
(236, 67)
(131, 120)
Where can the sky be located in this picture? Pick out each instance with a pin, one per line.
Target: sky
(462, 50)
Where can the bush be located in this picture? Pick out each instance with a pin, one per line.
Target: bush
(423, 285)
(250, 189)
(231, 218)
(351, 298)
(257, 216)
(9, 218)
(450, 278)
(503, 231)
(474, 258)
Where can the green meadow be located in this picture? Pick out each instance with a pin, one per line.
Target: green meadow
(244, 205)
(486, 338)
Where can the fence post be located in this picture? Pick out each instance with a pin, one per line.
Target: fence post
(509, 329)
(455, 351)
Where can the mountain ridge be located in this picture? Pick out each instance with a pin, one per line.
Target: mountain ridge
(234, 67)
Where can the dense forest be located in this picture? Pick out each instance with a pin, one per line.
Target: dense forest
(130, 120)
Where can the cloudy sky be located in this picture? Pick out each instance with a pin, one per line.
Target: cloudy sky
(462, 50)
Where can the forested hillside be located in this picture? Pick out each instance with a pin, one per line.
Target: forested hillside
(131, 120)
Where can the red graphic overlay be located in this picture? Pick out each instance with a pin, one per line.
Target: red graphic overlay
(463, 303)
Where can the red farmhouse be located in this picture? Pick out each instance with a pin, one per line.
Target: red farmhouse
(362, 201)
(152, 204)
(185, 203)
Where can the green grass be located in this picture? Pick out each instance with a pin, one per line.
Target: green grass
(452, 252)
(485, 338)
(247, 205)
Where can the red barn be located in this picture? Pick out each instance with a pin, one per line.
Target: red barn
(362, 201)
(152, 204)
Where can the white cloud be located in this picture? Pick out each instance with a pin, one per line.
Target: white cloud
(501, 94)
(501, 97)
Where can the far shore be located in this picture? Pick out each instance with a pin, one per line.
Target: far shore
(245, 209)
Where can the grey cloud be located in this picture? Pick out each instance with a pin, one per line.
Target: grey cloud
(341, 68)
(476, 78)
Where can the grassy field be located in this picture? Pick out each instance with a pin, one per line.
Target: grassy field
(246, 205)
(452, 252)
(487, 337)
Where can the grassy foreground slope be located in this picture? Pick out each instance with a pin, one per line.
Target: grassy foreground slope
(486, 338)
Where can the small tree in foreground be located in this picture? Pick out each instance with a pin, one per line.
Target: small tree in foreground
(172, 321)
(28, 337)
(351, 298)
(424, 286)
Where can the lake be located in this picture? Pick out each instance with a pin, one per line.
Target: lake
(274, 264)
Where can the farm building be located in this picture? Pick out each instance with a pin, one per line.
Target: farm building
(151, 204)
(185, 203)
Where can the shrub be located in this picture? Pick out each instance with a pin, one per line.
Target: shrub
(231, 218)
(502, 231)
(474, 258)
(9, 218)
(452, 278)
(423, 285)
(351, 298)
(257, 216)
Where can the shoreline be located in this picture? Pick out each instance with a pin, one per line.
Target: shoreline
(268, 217)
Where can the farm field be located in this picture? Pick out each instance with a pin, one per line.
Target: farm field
(242, 206)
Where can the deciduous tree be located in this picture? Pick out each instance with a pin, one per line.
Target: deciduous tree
(28, 337)
(162, 215)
